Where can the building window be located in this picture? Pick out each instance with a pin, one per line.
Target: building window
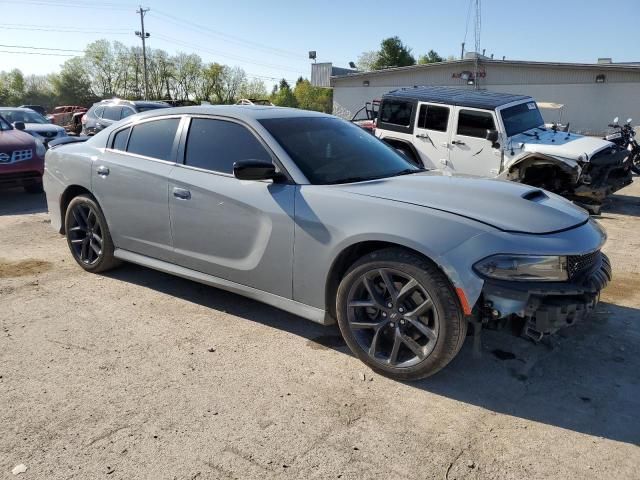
(601, 78)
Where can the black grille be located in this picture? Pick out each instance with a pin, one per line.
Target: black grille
(577, 264)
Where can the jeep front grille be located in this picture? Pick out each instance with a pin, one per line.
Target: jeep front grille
(577, 264)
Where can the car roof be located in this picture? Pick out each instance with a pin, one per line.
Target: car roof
(457, 96)
(242, 112)
(18, 109)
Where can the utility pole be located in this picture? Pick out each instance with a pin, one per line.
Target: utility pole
(144, 35)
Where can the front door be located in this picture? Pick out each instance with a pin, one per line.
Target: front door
(431, 135)
(471, 152)
(240, 231)
(130, 180)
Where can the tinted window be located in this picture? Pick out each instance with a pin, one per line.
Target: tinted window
(475, 124)
(330, 150)
(112, 113)
(120, 139)
(154, 139)
(521, 117)
(215, 145)
(433, 117)
(126, 111)
(396, 112)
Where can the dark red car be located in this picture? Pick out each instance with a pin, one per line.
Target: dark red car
(21, 159)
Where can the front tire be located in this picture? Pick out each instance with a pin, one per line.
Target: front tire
(398, 313)
(88, 235)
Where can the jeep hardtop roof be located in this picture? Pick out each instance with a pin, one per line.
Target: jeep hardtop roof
(456, 96)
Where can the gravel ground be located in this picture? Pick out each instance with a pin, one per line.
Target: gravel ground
(139, 375)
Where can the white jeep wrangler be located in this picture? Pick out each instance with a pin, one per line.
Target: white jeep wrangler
(499, 135)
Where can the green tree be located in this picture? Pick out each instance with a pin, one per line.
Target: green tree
(431, 57)
(367, 60)
(253, 89)
(72, 86)
(393, 53)
(283, 96)
(313, 98)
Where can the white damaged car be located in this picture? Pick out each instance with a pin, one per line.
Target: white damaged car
(500, 135)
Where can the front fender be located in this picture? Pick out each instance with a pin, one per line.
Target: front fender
(515, 167)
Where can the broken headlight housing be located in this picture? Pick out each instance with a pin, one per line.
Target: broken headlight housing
(530, 268)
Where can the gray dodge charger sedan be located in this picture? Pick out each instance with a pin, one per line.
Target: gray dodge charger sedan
(313, 215)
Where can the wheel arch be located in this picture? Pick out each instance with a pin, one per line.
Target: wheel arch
(353, 252)
(69, 194)
(517, 169)
(397, 142)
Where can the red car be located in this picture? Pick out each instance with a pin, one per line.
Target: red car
(21, 159)
(69, 117)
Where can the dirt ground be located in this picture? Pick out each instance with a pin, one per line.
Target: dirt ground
(139, 375)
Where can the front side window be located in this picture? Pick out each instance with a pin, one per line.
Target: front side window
(154, 139)
(433, 117)
(396, 112)
(473, 123)
(112, 113)
(217, 144)
(120, 139)
(329, 150)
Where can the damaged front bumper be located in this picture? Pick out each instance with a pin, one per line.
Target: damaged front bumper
(547, 307)
(606, 173)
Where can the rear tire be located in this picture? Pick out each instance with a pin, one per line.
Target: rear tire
(399, 314)
(88, 235)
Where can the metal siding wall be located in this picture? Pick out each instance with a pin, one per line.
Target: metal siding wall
(589, 107)
(321, 74)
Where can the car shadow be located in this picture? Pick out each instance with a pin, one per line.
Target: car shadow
(586, 379)
(16, 201)
(622, 204)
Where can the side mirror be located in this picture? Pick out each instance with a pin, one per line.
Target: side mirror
(254, 170)
(492, 136)
(19, 125)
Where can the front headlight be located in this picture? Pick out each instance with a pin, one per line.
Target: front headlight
(40, 148)
(536, 268)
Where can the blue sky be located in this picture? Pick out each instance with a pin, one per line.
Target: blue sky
(271, 38)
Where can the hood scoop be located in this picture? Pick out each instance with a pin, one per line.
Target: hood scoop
(535, 196)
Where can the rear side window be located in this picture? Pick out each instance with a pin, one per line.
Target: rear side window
(98, 112)
(433, 117)
(217, 144)
(112, 113)
(126, 111)
(473, 123)
(396, 112)
(120, 139)
(154, 139)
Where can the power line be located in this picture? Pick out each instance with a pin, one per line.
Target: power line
(222, 54)
(41, 48)
(230, 38)
(40, 53)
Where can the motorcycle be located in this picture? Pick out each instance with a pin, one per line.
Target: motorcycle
(624, 138)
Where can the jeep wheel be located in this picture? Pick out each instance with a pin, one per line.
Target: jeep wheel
(88, 235)
(399, 314)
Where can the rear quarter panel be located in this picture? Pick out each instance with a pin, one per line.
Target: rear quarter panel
(64, 167)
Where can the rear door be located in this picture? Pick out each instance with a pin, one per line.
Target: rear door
(130, 181)
(431, 134)
(471, 153)
(240, 231)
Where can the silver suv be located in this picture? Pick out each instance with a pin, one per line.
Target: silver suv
(107, 112)
(311, 214)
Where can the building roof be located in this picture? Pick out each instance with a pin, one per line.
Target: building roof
(457, 96)
(514, 63)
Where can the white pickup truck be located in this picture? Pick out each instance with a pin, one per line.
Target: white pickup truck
(499, 135)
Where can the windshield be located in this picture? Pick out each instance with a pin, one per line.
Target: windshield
(146, 108)
(26, 116)
(521, 117)
(330, 150)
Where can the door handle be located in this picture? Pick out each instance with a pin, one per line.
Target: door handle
(181, 193)
(457, 142)
(422, 135)
(102, 171)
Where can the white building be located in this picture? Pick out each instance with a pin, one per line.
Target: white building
(592, 94)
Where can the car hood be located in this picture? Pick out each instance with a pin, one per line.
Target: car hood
(560, 144)
(508, 206)
(11, 140)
